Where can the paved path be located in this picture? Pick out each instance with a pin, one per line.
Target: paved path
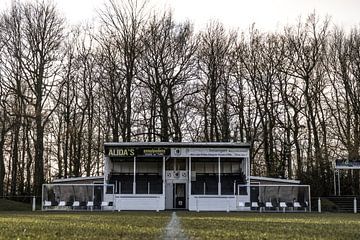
(173, 229)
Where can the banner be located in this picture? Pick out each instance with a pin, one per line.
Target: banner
(210, 152)
(136, 152)
(347, 164)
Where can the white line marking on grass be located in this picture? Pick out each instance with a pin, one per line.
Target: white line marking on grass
(173, 229)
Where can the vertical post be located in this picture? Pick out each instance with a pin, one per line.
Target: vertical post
(246, 168)
(106, 169)
(319, 205)
(42, 197)
(309, 205)
(134, 183)
(355, 205)
(189, 177)
(164, 177)
(34, 204)
(339, 182)
(219, 178)
(335, 182)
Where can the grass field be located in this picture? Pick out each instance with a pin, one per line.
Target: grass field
(113, 225)
(270, 225)
(8, 205)
(151, 225)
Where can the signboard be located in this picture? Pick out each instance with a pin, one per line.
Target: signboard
(136, 152)
(210, 152)
(121, 152)
(347, 164)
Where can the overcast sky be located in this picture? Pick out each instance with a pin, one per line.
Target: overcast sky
(268, 15)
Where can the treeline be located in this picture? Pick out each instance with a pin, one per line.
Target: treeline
(135, 75)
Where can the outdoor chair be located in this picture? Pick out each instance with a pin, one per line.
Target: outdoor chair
(104, 204)
(244, 204)
(261, 206)
(283, 206)
(304, 205)
(75, 204)
(83, 205)
(255, 205)
(62, 204)
(47, 204)
(90, 205)
(269, 205)
(297, 205)
(290, 204)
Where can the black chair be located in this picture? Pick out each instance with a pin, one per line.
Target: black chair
(290, 204)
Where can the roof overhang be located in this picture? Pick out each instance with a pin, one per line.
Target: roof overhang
(179, 144)
(73, 179)
(280, 180)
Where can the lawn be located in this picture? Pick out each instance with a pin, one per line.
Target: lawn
(151, 225)
(94, 225)
(270, 225)
(8, 205)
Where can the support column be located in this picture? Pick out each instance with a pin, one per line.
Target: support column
(189, 177)
(107, 169)
(339, 182)
(134, 183)
(219, 178)
(355, 205)
(164, 179)
(248, 166)
(335, 181)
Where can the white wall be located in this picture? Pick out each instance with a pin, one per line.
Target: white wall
(153, 202)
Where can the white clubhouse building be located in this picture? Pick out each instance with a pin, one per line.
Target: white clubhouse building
(171, 175)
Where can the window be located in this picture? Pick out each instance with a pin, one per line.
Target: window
(204, 176)
(230, 175)
(149, 175)
(122, 175)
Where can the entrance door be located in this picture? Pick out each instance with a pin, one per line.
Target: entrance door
(179, 195)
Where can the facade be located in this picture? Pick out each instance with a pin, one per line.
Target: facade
(166, 176)
(193, 176)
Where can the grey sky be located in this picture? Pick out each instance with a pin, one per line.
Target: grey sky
(267, 14)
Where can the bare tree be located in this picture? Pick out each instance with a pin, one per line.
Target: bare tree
(214, 50)
(122, 23)
(42, 31)
(306, 48)
(167, 66)
(342, 65)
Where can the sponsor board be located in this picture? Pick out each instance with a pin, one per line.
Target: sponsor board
(347, 164)
(209, 152)
(136, 152)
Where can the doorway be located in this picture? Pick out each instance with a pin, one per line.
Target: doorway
(179, 195)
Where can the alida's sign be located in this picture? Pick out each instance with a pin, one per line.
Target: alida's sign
(133, 152)
(121, 152)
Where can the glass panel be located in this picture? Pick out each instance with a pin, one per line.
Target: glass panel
(149, 175)
(122, 175)
(204, 176)
(231, 175)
